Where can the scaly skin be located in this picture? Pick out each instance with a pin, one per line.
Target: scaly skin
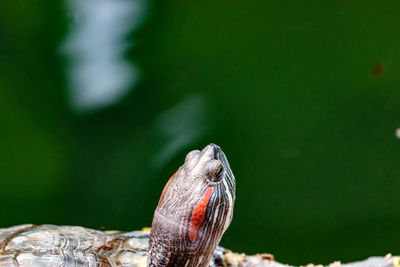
(195, 209)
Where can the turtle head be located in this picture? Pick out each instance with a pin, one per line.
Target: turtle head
(194, 210)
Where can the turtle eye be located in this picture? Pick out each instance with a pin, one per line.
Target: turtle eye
(214, 170)
(219, 171)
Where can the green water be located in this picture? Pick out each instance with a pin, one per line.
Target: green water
(286, 88)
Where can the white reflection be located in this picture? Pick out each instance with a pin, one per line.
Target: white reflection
(97, 72)
(181, 126)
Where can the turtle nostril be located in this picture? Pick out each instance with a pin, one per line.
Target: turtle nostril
(215, 153)
(215, 150)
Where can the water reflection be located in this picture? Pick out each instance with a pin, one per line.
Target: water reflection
(97, 72)
(181, 125)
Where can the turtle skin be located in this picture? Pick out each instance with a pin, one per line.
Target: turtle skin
(50, 245)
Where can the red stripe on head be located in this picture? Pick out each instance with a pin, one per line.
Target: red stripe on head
(165, 187)
(198, 214)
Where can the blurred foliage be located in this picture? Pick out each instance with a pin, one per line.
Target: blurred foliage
(302, 96)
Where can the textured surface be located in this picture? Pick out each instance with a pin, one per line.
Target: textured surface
(49, 245)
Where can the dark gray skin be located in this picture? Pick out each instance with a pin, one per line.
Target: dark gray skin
(194, 210)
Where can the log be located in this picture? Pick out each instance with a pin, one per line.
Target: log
(267, 260)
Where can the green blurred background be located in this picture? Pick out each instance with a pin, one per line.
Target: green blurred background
(303, 97)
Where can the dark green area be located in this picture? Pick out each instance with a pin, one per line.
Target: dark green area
(286, 88)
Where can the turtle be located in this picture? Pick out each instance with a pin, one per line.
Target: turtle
(193, 212)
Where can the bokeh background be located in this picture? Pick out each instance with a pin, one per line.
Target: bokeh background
(100, 100)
